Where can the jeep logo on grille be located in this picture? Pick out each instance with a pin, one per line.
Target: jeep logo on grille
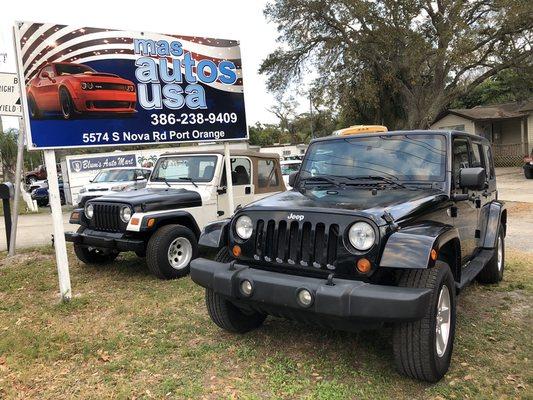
(296, 217)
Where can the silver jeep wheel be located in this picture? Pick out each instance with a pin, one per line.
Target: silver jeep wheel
(443, 321)
(180, 253)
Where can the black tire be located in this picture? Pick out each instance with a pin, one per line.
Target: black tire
(35, 113)
(42, 203)
(67, 105)
(493, 271)
(157, 251)
(528, 173)
(414, 343)
(93, 256)
(226, 315)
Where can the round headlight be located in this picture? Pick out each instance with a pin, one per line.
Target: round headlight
(362, 236)
(125, 214)
(244, 227)
(89, 211)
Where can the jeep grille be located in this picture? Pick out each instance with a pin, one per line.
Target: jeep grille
(297, 243)
(106, 217)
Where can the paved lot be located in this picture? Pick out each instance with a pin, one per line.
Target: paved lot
(513, 186)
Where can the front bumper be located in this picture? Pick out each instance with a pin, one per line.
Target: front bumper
(346, 299)
(104, 240)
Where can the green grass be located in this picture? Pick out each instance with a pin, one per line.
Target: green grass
(126, 334)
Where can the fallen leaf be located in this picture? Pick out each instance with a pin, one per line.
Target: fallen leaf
(468, 378)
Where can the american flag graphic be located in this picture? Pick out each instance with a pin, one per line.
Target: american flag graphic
(42, 43)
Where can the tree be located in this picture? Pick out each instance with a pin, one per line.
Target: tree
(285, 111)
(397, 62)
(8, 153)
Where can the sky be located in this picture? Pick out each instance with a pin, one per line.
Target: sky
(242, 20)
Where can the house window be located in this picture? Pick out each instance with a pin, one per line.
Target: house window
(453, 128)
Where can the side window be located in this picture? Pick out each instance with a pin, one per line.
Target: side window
(241, 172)
(490, 162)
(266, 173)
(477, 156)
(460, 158)
(146, 173)
(50, 71)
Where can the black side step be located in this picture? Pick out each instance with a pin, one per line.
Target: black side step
(474, 267)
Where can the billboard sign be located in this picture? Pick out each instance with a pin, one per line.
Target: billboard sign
(103, 87)
(10, 95)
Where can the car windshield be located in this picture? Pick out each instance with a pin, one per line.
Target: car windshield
(287, 169)
(402, 157)
(180, 168)
(72, 69)
(114, 175)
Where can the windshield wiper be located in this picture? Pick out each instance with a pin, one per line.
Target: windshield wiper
(166, 181)
(378, 178)
(188, 180)
(318, 179)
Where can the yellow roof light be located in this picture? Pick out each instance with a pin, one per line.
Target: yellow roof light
(356, 129)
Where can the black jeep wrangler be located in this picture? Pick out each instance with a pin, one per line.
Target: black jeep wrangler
(378, 228)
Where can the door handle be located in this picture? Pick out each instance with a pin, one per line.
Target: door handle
(248, 190)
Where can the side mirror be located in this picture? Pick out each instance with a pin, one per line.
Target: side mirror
(472, 178)
(292, 178)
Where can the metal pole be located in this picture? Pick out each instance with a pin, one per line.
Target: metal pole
(18, 176)
(57, 219)
(311, 114)
(229, 182)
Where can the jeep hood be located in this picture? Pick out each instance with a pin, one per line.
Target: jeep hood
(151, 199)
(400, 203)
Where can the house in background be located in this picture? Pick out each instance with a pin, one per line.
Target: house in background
(509, 127)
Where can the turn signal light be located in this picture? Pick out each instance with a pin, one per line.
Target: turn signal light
(236, 251)
(150, 223)
(433, 254)
(363, 265)
(75, 216)
(135, 221)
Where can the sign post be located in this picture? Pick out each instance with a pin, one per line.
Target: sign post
(229, 181)
(18, 182)
(57, 219)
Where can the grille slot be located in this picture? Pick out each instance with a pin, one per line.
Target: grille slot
(106, 217)
(297, 243)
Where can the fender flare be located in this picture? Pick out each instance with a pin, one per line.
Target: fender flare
(493, 215)
(410, 248)
(214, 236)
(165, 217)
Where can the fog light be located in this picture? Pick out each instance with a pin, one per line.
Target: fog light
(305, 298)
(246, 287)
(236, 251)
(363, 265)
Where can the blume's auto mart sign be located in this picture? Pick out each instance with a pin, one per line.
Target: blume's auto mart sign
(83, 164)
(102, 87)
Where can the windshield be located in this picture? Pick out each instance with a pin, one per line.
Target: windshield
(287, 169)
(114, 175)
(72, 69)
(179, 168)
(403, 157)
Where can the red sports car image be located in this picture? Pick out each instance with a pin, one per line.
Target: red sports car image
(74, 89)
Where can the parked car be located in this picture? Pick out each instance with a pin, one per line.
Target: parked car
(528, 166)
(378, 228)
(43, 184)
(39, 174)
(186, 191)
(287, 168)
(70, 89)
(41, 196)
(113, 180)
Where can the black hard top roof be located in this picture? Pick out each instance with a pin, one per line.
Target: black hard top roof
(447, 133)
(233, 152)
